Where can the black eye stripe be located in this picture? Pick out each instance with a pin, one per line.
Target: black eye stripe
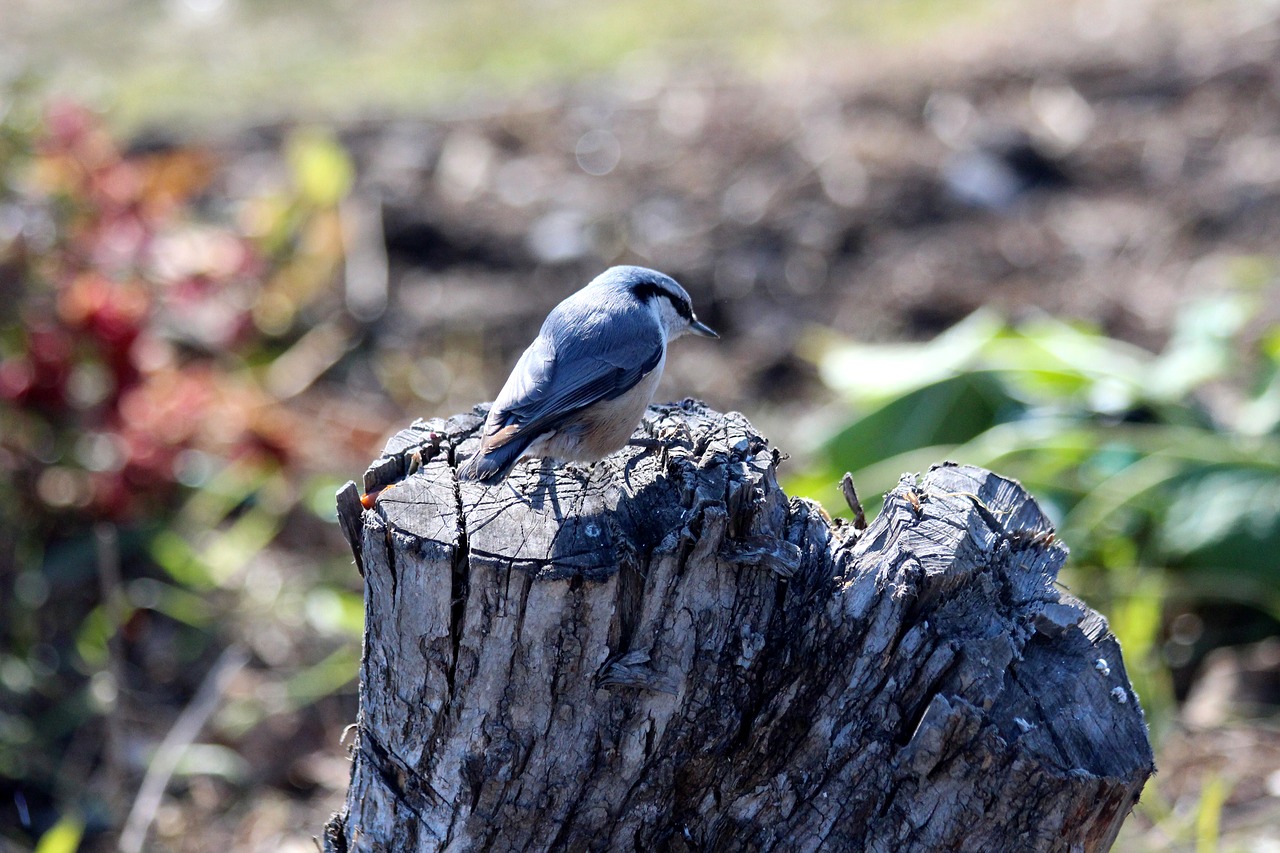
(646, 290)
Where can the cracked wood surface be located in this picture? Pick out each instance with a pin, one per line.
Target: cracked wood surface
(665, 652)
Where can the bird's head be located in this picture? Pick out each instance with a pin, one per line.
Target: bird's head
(662, 295)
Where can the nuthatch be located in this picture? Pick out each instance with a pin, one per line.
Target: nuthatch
(581, 387)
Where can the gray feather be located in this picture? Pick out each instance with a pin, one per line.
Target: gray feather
(578, 359)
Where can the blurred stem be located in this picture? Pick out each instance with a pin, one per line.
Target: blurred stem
(107, 543)
(1135, 620)
(183, 733)
(1213, 795)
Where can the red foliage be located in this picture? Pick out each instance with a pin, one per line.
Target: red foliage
(131, 277)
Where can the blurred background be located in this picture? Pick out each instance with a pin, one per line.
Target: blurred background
(243, 242)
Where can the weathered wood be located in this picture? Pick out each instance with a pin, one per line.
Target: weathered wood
(665, 652)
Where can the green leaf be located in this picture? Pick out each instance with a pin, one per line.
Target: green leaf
(1224, 519)
(321, 679)
(1271, 344)
(229, 550)
(947, 412)
(1261, 415)
(181, 561)
(1213, 795)
(1202, 346)
(63, 837)
(1045, 343)
(322, 171)
(211, 759)
(1136, 620)
(318, 496)
(91, 640)
(1052, 363)
(192, 608)
(335, 611)
(875, 371)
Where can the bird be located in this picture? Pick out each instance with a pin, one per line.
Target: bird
(579, 390)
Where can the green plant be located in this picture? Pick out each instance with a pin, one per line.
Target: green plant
(150, 463)
(1160, 470)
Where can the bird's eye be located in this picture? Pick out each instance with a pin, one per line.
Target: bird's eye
(683, 308)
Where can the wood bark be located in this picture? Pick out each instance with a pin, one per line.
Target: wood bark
(665, 652)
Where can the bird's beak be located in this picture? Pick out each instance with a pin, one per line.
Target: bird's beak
(700, 328)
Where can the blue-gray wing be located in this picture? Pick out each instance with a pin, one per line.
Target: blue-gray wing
(572, 365)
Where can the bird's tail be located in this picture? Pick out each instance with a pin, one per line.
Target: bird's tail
(490, 464)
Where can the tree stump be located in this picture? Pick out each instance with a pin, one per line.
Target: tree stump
(664, 652)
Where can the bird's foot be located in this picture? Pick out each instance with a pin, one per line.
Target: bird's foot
(581, 473)
(667, 439)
